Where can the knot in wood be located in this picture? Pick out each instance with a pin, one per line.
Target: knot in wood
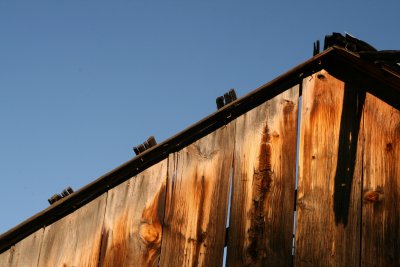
(150, 234)
(373, 196)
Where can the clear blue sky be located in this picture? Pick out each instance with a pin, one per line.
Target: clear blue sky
(81, 82)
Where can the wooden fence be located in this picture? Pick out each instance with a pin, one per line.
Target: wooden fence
(347, 210)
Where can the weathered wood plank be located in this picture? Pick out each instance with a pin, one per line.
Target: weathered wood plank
(261, 217)
(381, 185)
(26, 252)
(134, 214)
(330, 169)
(4, 258)
(75, 239)
(197, 200)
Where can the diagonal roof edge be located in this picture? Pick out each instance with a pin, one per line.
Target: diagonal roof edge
(337, 60)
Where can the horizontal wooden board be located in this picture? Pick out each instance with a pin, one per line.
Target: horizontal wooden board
(381, 187)
(75, 239)
(197, 200)
(330, 168)
(261, 217)
(134, 214)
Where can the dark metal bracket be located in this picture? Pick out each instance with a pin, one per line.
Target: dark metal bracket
(227, 98)
(150, 142)
(56, 197)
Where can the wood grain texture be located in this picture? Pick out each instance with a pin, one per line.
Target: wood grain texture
(261, 217)
(4, 258)
(134, 213)
(75, 239)
(381, 185)
(330, 164)
(197, 200)
(26, 252)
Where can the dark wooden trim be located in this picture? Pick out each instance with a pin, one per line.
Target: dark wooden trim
(379, 80)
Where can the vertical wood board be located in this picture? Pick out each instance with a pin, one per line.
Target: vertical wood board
(4, 258)
(26, 252)
(134, 214)
(381, 186)
(75, 239)
(330, 168)
(197, 199)
(261, 217)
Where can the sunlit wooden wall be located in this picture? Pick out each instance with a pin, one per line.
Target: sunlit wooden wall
(175, 213)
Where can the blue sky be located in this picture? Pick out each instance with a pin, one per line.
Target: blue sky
(81, 82)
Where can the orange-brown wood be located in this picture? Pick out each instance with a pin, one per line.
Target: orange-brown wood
(26, 252)
(134, 214)
(330, 169)
(261, 218)
(174, 213)
(381, 185)
(75, 239)
(4, 258)
(197, 200)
